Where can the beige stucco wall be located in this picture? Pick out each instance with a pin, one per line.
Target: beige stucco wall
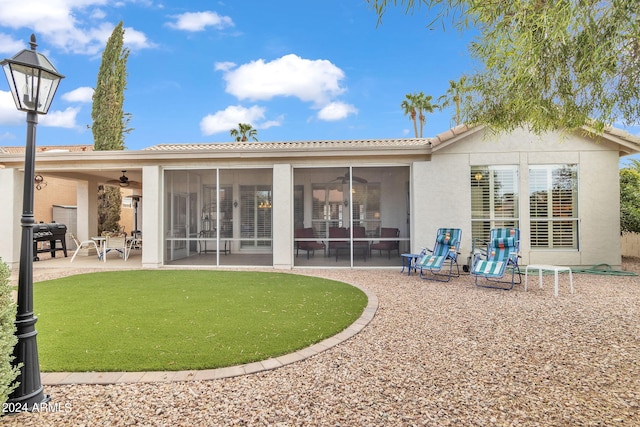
(440, 191)
(151, 217)
(441, 199)
(11, 212)
(598, 192)
(282, 216)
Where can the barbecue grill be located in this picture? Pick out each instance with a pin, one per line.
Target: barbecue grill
(49, 234)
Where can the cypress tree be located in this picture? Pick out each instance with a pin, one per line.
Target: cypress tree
(110, 121)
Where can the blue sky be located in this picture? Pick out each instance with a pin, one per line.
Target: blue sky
(295, 70)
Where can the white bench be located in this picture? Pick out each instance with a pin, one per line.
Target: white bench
(554, 268)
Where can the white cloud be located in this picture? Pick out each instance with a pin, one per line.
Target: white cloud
(336, 111)
(199, 21)
(224, 66)
(10, 46)
(315, 81)
(81, 94)
(135, 39)
(9, 114)
(70, 25)
(60, 119)
(227, 119)
(98, 14)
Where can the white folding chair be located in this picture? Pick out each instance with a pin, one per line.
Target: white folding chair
(86, 244)
(117, 243)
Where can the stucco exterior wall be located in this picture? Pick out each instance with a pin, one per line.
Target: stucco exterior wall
(598, 192)
(439, 178)
(441, 199)
(152, 217)
(11, 212)
(600, 208)
(282, 216)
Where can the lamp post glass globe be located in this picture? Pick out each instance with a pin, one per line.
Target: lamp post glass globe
(33, 81)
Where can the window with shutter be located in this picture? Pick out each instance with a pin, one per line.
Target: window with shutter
(553, 203)
(494, 199)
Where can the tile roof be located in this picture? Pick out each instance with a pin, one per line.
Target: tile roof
(399, 142)
(48, 148)
(449, 134)
(622, 134)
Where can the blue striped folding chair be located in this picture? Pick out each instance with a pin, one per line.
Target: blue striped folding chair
(433, 265)
(501, 256)
(499, 233)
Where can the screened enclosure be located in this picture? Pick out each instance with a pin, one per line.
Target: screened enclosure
(218, 217)
(351, 216)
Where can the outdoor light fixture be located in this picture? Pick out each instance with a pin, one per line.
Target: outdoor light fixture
(39, 182)
(33, 81)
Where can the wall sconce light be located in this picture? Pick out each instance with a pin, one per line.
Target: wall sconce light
(235, 203)
(346, 203)
(39, 182)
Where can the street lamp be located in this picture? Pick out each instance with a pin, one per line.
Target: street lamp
(33, 81)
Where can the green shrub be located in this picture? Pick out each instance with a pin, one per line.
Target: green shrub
(8, 338)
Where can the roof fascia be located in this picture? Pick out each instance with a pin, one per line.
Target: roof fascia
(626, 146)
(456, 137)
(171, 156)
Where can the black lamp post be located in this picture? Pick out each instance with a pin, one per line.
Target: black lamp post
(33, 81)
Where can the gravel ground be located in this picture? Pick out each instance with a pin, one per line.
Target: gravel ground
(435, 354)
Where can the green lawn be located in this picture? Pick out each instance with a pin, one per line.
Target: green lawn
(186, 319)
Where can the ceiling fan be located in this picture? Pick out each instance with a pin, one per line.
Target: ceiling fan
(345, 178)
(123, 181)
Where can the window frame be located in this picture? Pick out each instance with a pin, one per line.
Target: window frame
(553, 202)
(487, 179)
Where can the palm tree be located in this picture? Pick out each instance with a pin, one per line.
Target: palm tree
(424, 105)
(455, 95)
(415, 106)
(409, 108)
(244, 132)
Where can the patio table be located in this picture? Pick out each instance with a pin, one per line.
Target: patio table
(409, 261)
(357, 246)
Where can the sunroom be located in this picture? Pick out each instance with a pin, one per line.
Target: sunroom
(225, 216)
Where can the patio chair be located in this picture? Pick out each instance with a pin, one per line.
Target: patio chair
(359, 242)
(502, 255)
(387, 245)
(307, 245)
(337, 233)
(85, 244)
(136, 240)
(116, 242)
(445, 253)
